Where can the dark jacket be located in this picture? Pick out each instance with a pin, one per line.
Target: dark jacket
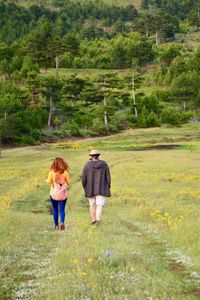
(96, 179)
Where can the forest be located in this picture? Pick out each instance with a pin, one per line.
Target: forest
(87, 68)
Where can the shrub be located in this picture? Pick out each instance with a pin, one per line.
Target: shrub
(141, 122)
(150, 104)
(152, 120)
(25, 140)
(88, 132)
(36, 133)
(171, 117)
(74, 130)
(186, 116)
(121, 120)
(98, 126)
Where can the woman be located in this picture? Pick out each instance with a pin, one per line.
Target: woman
(58, 178)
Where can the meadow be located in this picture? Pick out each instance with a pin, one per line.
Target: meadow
(147, 245)
(136, 3)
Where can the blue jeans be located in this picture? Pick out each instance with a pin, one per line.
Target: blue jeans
(61, 206)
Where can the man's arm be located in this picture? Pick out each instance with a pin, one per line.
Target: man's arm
(84, 177)
(108, 176)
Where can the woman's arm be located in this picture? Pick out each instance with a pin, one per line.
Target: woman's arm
(67, 179)
(49, 180)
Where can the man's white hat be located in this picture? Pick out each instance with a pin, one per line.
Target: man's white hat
(94, 152)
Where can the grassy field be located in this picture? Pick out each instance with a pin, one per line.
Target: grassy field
(64, 72)
(136, 3)
(147, 245)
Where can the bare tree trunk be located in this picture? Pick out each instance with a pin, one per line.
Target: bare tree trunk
(133, 96)
(157, 38)
(105, 106)
(50, 111)
(105, 113)
(184, 106)
(57, 66)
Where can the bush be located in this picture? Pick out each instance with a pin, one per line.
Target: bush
(36, 133)
(121, 120)
(98, 126)
(142, 119)
(152, 120)
(88, 132)
(162, 95)
(66, 60)
(141, 122)
(149, 104)
(25, 140)
(74, 130)
(186, 116)
(171, 117)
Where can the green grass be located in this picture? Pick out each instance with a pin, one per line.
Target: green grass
(147, 246)
(64, 72)
(136, 3)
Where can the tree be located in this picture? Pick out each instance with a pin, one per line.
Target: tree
(133, 82)
(108, 85)
(37, 41)
(51, 88)
(185, 87)
(55, 47)
(29, 67)
(72, 43)
(194, 15)
(72, 87)
(168, 54)
(165, 26)
(145, 4)
(33, 84)
(144, 23)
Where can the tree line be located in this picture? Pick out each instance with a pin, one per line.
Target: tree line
(93, 34)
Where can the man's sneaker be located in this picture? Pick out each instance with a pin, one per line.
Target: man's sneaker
(62, 226)
(93, 222)
(56, 227)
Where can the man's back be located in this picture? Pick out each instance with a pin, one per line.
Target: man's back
(96, 178)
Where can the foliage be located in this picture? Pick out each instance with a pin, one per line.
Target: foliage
(162, 77)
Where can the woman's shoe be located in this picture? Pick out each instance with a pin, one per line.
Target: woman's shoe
(62, 226)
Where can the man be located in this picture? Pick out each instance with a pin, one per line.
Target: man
(96, 182)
